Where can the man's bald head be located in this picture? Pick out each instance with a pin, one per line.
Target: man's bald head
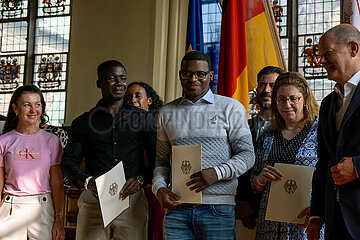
(342, 34)
(339, 51)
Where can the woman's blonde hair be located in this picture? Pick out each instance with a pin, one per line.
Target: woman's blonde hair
(311, 108)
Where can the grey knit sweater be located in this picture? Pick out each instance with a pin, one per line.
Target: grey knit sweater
(222, 130)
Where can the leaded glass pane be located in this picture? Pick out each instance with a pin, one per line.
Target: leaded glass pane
(52, 35)
(50, 71)
(52, 32)
(13, 37)
(315, 17)
(211, 29)
(11, 73)
(285, 48)
(280, 14)
(13, 9)
(53, 7)
(55, 107)
(51, 54)
(4, 103)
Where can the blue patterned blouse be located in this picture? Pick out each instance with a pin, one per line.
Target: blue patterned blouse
(272, 151)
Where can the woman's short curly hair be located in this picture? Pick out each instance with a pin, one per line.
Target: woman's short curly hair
(157, 103)
(311, 107)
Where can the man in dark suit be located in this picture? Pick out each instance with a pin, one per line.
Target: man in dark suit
(336, 184)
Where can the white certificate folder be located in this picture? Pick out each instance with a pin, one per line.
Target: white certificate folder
(290, 195)
(186, 160)
(108, 187)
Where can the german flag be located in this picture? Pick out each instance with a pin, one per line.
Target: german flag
(249, 42)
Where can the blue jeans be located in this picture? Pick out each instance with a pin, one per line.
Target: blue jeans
(200, 222)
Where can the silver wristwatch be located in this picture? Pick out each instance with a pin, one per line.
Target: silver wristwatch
(87, 180)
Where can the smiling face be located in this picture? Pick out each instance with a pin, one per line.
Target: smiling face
(289, 111)
(336, 59)
(28, 108)
(112, 83)
(193, 87)
(264, 89)
(136, 95)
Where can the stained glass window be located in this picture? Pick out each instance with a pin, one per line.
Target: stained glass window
(280, 11)
(53, 8)
(314, 17)
(13, 9)
(211, 10)
(34, 50)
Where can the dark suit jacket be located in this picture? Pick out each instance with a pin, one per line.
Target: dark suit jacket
(244, 190)
(332, 147)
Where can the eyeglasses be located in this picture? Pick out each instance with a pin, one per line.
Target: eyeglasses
(292, 100)
(200, 75)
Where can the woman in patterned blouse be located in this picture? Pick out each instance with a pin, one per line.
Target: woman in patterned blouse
(291, 137)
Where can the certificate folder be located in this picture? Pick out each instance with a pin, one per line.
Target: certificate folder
(290, 195)
(186, 160)
(108, 186)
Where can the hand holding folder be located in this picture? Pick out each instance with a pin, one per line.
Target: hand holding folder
(289, 196)
(186, 163)
(108, 188)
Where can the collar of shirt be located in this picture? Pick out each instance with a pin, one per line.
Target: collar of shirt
(207, 98)
(349, 86)
(101, 105)
(261, 118)
(344, 99)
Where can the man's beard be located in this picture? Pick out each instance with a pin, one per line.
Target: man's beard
(265, 105)
(261, 103)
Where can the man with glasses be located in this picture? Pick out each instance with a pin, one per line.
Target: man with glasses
(219, 125)
(247, 202)
(112, 132)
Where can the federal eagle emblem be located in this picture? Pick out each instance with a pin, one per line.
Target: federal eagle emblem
(186, 167)
(290, 186)
(113, 188)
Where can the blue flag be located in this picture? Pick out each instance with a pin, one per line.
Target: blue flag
(194, 36)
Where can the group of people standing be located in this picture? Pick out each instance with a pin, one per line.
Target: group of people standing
(129, 124)
(291, 129)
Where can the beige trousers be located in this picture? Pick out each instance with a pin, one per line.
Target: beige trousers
(28, 217)
(131, 224)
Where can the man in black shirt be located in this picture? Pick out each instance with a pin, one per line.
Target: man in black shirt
(112, 132)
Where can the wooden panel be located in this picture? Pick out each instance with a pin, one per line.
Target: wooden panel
(71, 209)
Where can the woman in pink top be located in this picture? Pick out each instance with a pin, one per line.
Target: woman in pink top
(31, 185)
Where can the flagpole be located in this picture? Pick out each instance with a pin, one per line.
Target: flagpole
(275, 34)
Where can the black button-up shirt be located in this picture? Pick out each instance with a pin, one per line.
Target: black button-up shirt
(105, 141)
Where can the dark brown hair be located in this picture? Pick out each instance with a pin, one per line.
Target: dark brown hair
(12, 120)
